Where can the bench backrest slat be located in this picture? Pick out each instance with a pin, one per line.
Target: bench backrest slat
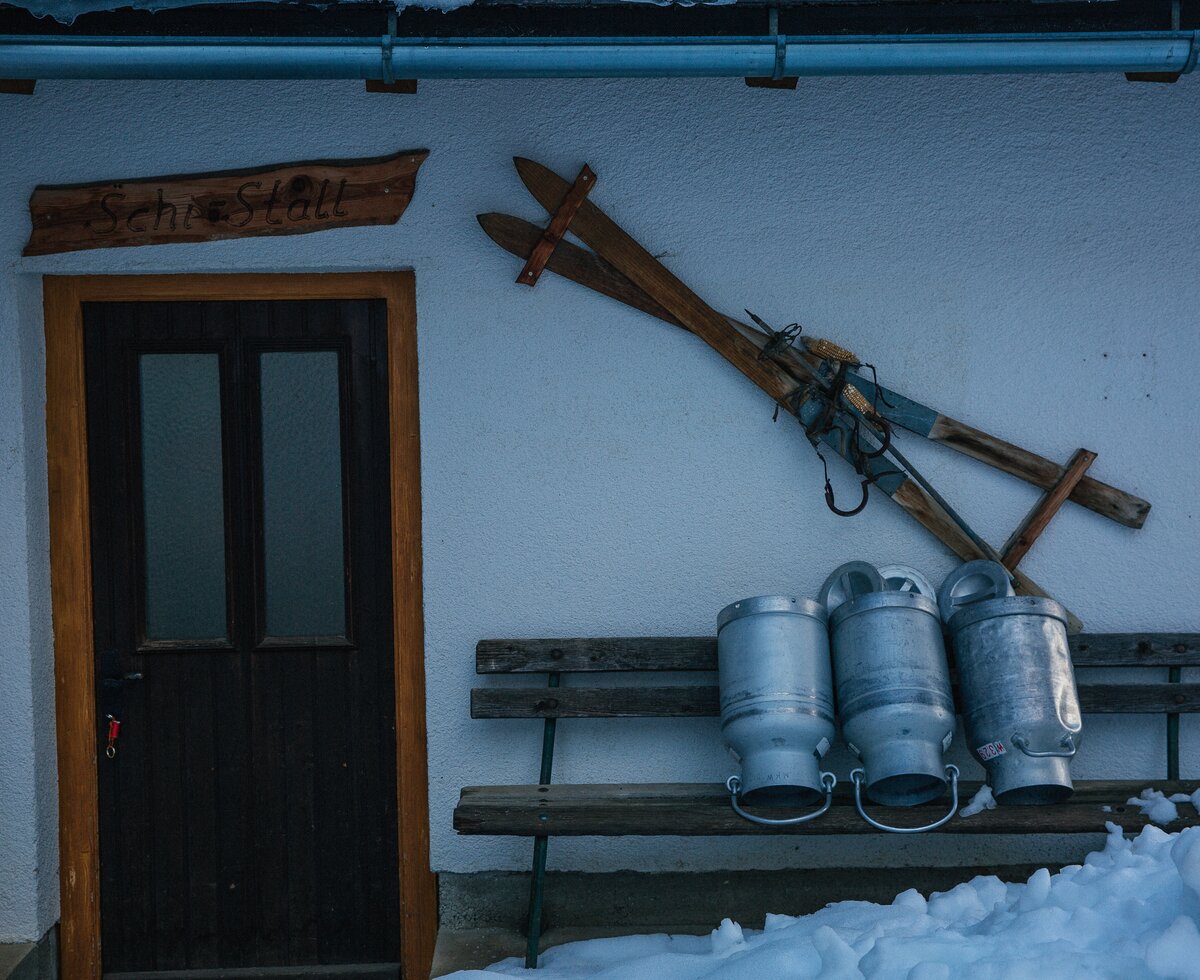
(616, 653)
(695, 701)
(688, 653)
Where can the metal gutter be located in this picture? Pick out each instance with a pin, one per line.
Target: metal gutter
(388, 57)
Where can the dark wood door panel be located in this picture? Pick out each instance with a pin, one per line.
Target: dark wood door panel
(248, 820)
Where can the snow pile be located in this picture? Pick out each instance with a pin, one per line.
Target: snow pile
(983, 800)
(1130, 910)
(1159, 808)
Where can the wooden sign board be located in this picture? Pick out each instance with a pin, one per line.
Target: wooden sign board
(285, 199)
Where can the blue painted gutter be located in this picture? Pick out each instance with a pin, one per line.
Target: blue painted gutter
(387, 57)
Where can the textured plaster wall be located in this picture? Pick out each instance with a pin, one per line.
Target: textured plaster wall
(1018, 251)
(28, 781)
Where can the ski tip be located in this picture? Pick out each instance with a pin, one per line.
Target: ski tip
(511, 234)
(493, 222)
(529, 169)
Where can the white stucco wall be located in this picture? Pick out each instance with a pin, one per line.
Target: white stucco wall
(1017, 251)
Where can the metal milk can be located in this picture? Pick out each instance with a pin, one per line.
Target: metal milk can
(776, 702)
(893, 686)
(1017, 685)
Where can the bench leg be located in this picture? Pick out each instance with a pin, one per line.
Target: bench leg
(1174, 675)
(537, 887)
(537, 880)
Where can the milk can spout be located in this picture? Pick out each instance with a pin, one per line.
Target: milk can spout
(776, 701)
(893, 682)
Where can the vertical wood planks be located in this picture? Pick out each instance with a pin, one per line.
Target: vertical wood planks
(418, 887)
(71, 605)
(71, 591)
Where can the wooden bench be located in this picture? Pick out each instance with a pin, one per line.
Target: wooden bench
(541, 810)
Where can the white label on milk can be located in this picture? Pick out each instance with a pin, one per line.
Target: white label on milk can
(990, 751)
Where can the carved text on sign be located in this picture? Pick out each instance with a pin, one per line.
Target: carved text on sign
(286, 199)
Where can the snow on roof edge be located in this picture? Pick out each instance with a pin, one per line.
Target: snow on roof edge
(66, 11)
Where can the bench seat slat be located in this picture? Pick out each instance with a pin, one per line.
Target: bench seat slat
(703, 701)
(702, 809)
(687, 653)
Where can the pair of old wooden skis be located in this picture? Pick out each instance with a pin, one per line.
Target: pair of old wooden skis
(797, 379)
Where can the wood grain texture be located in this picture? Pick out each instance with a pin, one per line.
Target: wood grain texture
(787, 82)
(550, 238)
(1136, 649)
(581, 266)
(613, 244)
(698, 701)
(281, 199)
(418, 886)
(929, 514)
(688, 653)
(1122, 507)
(1042, 513)
(587, 269)
(616, 810)
(71, 606)
(519, 237)
(1101, 791)
(605, 653)
(626, 255)
(71, 590)
(227, 753)
(402, 86)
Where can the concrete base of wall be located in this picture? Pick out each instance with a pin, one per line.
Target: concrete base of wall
(31, 961)
(482, 916)
(473, 949)
(683, 899)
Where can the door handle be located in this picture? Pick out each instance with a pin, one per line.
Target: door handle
(120, 682)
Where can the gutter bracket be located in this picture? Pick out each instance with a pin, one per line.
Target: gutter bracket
(777, 78)
(780, 45)
(386, 44)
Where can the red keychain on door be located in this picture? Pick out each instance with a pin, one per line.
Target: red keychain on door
(114, 731)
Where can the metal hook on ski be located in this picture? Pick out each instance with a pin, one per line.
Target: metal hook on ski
(885, 441)
(831, 503)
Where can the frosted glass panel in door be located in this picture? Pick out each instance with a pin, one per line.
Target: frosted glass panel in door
(183, 497)
(303, 536)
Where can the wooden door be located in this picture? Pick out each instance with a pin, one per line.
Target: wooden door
(241, 563)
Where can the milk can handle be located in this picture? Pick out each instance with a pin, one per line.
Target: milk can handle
(734, 785)
(1068, 740)
(952, 771)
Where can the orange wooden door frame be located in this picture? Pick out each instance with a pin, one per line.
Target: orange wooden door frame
(71, 584)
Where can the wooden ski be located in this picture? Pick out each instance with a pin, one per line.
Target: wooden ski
(579, 265)
(616, 247)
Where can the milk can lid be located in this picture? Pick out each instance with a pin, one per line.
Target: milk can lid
(755, 605)
(972, 583)
(849, 581)
(1009, 605)
(884, 600)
